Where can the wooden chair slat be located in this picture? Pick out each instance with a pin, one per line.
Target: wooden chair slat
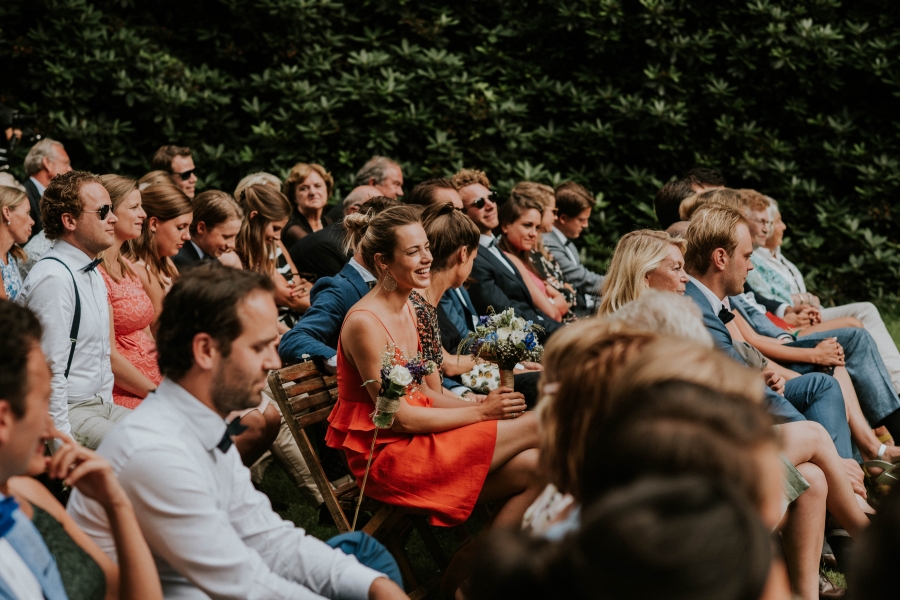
(312, 400)
(299, 370)
(314, 417)
(309, 385)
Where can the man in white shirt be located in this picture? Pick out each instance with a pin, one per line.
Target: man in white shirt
(44, 161)
(69, 296)
(212, 534)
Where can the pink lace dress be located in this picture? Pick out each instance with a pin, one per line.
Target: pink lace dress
(132, 313)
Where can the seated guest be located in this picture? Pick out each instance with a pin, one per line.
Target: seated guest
(266, 211)
(665, 538)
(717, 261)
(211, 533)
(132, 351)
(573, 206)
(154, 177)
(178, 162)
(164, 232)
(258, 178)
(669, 197)
(15, 229)
(322, 253)
(545, 264)
(440, 455)
(308, 188)
(43, 554)
(498, 283)
(782, 280)
(316, 334)
(214, 229)
(725, 196)
(434, 191)
(77, 214)
(44, 161)
(454, 243)
(383, 173)
(520, 220)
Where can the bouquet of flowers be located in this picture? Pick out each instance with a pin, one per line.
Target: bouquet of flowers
(400, 375)
(504, 339)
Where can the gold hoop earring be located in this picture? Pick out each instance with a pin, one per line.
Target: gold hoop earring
(389, 284)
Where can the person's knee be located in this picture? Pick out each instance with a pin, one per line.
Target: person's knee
(815, 477)
(272, 420)
(255, 424)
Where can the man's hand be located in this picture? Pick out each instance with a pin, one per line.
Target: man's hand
(774, 381)
(385, 589)
(856, 476)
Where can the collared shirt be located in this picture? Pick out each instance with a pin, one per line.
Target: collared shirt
(487, 241)
(211, 533)
(714, 301)
(16, 574)
(566, 244)
(49, 293)
(363, 272)
(199, 250)
(37, 184)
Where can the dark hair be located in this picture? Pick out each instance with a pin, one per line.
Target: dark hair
(423, 194)
(63, 195)
(572, 199)
(214, 207)
(677, 428)
(448, 230)
(251, 246)
(668, 200)
(165, 201)
(162, 160)
(377, 234)
(705, 177)
(510, 212)
(21, 331)
(204, 300)
(685, 538)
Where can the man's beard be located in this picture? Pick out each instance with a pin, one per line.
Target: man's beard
(233, 390)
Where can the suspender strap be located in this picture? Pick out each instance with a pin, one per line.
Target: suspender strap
(76, 321)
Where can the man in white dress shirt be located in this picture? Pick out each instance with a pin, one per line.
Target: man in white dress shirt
(65, 284)
(212, 534)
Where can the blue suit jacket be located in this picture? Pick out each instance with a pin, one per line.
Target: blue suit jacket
(317, 333)
(758, 321)
(778, 406)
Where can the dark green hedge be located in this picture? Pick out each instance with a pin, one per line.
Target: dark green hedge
(794, 98)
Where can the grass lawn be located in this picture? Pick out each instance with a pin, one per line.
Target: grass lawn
(291, 505)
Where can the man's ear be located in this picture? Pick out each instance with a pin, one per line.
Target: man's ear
(201, 228)
(68, 221)
(206, 351)
(719, 259)
(7, 421)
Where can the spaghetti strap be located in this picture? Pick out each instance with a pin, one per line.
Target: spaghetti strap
(408, 309)
(376, 316)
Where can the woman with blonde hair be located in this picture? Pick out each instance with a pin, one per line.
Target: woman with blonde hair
(308, 188)
(643, 259)
(266, 212)
(132, 349)
(164, 232)
(15, 229)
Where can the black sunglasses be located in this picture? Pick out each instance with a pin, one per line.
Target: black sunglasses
(103, 212)
(480, 202)
(186, 175)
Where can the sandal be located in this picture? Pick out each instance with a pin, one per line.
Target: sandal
(890, 472)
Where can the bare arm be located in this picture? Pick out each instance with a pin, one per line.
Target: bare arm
(826, 353)
(294, 295)
(457, 364)
(127, 376)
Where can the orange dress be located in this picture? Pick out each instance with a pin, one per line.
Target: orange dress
(442, 473)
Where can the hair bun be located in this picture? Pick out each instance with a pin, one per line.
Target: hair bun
(356, 225)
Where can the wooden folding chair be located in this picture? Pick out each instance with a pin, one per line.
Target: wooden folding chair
(306, 397)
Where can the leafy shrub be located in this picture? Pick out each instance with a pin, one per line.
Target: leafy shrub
(792, 98)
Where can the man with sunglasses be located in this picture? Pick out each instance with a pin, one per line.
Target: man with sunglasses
(498, 283)
(179, 163)
(69, 297)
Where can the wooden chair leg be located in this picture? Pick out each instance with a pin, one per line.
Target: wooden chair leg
(431, 542)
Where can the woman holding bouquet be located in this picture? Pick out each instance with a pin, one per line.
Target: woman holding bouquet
(440, 454)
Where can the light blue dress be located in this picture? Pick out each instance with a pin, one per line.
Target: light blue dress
(12, 282)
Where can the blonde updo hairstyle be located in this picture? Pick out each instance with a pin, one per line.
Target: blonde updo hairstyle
(119, 189)
(269, 205)
(636, 254)
(377, 234)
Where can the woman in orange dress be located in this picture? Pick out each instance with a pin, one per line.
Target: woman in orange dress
(441, 455)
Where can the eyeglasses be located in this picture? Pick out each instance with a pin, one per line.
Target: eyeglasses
(480, 202)
(186, 175)
(103, 212)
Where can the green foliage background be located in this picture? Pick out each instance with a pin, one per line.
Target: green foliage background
(794, 98)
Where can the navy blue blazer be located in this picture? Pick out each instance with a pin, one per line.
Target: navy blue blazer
(317, 333)
(495, 285)
(777, 404)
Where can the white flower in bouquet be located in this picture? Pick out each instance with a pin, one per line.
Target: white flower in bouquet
(503, 333)
(400, 375)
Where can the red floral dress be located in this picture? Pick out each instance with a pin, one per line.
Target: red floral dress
(132, 314)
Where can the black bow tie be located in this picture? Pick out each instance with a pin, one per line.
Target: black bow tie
(494, 241)
(234, 428)
(726, 315)
(92, 265)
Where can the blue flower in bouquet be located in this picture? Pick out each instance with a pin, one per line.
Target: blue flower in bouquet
(483, 320)
(491, 337)
(530, 341)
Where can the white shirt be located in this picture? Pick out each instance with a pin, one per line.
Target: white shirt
(199, 250)
(48, 291)
(487, 241)
(40, 187)
(565, 244)
(211, 533)
(16, 574)
(714, 301)
(363, 272)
